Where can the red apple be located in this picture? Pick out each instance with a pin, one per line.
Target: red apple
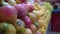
(26, 6)
(23, 1)
(31, 8)
(32, 16)
(8, 14)
(22, 12)
(33, 28)
(27, 21)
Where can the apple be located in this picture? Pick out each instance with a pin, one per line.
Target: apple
(8, 13)
(26, 6)
(6, 28)
(23, 1)
(33, 28)
(21, 30)
(18, 24)
(27, 21)
(32, 16)
(31, 8)
(28, 31)
(22, 12)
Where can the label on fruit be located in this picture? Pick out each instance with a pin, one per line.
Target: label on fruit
(19, 23)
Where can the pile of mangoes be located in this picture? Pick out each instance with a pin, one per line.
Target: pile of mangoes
(20, 17)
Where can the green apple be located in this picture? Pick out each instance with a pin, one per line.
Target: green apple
(21, 30)
(28, 31)
(6, 28)
(19, 25)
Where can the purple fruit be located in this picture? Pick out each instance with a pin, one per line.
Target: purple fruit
(22, 12)
(31, 8)
(26, 6)
(27, 21)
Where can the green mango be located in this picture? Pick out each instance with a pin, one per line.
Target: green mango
(7, 28)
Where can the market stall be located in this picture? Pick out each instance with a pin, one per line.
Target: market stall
(24, 16)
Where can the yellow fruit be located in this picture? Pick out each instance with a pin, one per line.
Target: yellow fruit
(6, 28)
(37, 6)
(18, 1)
(42, 22)
(19, 24)
(28, 31)
(40, 31)
(38, 14)
(32, 16)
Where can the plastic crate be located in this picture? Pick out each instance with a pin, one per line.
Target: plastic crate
(55, 21)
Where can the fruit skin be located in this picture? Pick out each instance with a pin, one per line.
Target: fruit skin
(19, 24)
(18, 1)
(21, 1)
(33, 28)
(37, 6)
(28, 31)
(8, 14)
(11, 2)
(47, 6)
(26, 6)
(31, 8)
(7, 28)
(21, 30)
(32, 16)
(38, 13)
(41, 31)
(24, 1)
(22, 12)
(27, 21)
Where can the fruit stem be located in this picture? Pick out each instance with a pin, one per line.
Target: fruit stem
(1, 2)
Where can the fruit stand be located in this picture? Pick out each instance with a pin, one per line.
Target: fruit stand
(22, 17)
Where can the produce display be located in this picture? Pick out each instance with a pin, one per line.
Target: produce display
(20, 17)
